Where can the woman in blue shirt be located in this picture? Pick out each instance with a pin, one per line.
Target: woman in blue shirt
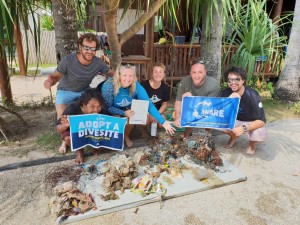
(118, 93)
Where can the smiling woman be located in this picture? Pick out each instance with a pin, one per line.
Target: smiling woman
(118, 94)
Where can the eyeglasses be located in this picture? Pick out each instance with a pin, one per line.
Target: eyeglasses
(230, 80)
(197, 61)
(127, 65)
(86, 48)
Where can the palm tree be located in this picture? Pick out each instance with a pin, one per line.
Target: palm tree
(287, 87)
(65, 26)
(12, 12)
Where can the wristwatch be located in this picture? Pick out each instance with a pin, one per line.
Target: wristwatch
(245, 128)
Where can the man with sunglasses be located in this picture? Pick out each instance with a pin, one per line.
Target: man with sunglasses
(74, 74)
(197, 84)
(251, 118)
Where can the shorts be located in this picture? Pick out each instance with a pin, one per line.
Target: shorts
(66, 97)
(65, 134)
(258, 135)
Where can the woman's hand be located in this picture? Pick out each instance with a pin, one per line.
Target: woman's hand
(129, 113)
(169, 129)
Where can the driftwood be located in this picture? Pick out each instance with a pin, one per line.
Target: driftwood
(4, 127)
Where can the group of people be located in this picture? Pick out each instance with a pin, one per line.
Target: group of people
(114, 97)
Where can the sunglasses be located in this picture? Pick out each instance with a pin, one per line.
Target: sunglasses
(197, 61)
(127, 65)
(231, 80)
(86, 48)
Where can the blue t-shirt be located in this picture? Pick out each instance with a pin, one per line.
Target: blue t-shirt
(118, 104)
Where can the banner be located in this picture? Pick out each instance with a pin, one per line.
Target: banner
(97, 130)
(209, 112)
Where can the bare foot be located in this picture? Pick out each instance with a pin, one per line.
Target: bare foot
(128, 142)
(96, 151)
(250, 151)
(63, 148)
(251, 148)
(79, 156)
(231, 142)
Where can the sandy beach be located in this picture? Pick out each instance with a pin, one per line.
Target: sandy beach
(270, 195)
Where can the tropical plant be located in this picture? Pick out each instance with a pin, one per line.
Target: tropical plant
(47, 23)
(255, 36)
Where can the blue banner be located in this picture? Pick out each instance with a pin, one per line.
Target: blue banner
(97, 130)
(209, 112)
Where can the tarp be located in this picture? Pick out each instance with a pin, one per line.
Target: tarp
(97, 130)
(227, 175)
(209, 112)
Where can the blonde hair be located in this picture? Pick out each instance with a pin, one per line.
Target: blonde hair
(117, 79)
(161, 65)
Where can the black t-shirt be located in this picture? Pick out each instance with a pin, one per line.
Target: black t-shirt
(159, 95)
(72, 109)
(250, 107)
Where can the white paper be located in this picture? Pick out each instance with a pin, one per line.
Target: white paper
(140, 108)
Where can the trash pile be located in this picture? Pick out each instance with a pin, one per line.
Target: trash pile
(68, 200)
(200, 148)
(147, 172)
(119, 171)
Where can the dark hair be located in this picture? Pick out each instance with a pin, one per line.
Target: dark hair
(89, 94)
(235, 70)
(89, 37)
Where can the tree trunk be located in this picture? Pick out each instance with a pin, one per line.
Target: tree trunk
(277, 11)
(288, 86)
(110, 17)
(211, 47)
(5, 87)
(19, 45)
(65, 27)
(110, 20)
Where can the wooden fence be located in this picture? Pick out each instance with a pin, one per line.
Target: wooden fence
(47, 48)
(177, 58)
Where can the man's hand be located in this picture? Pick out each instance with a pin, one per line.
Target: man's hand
(238, 131)
(187, 94)
(48, 83)
(234, 95)
(177, 121)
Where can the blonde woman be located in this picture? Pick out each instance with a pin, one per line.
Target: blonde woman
(157, 90)
(118, 93)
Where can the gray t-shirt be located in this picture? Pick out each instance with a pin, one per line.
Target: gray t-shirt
(210, 87)
(77, 77)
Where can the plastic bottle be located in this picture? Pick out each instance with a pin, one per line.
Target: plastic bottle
(153, 129)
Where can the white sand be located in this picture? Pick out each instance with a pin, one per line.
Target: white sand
(271, 194)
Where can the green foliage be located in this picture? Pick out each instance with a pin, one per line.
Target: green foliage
(296, 108)
(255, 36)
(174, 90)
(47, 23)
(49, 140)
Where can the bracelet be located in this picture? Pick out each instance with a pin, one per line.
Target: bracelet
(177, 116)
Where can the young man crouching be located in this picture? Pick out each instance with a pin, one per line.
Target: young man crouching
(91, 101)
